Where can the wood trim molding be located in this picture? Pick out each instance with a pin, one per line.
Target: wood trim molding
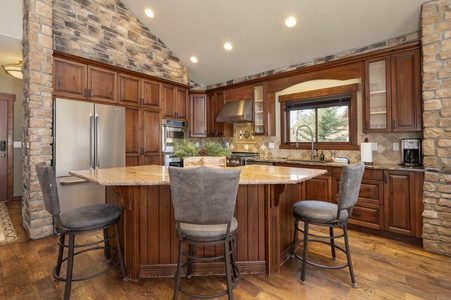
(321, 92)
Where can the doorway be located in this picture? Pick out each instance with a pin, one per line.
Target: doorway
(6, 146)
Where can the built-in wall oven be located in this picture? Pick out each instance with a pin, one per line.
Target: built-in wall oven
(173, 134)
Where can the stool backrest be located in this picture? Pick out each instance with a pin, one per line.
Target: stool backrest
(351, 178)
(46, 177)
(204, 195)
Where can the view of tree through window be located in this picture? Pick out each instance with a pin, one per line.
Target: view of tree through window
(328, 124)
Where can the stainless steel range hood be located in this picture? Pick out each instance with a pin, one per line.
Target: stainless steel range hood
(236, 112)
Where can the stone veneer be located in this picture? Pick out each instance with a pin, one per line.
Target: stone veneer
(436, 48)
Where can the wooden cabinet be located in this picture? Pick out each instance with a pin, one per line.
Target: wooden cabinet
(392, 93)
(175, 103)
(143, 136)
(403, 206)
(215, 102)
(135, 91)
(369, 209)
(264, 111)
(82, 81)
(318, 188)
(198, 115)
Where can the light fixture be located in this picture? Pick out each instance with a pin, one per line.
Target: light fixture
(193, 59)
(290, 22)
(148, 12)
(228, 46)
(14, 70)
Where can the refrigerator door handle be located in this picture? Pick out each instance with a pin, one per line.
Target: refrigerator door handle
(91, 141)
(96, 154)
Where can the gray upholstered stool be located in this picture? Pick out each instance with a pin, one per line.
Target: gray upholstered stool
(76, 221)
(330, 215)
(204, 200)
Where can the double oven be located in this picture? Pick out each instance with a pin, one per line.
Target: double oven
(173, 134)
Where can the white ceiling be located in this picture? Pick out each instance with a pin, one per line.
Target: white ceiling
(254, 27)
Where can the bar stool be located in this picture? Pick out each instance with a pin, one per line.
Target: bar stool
(77, 221)
(330, 215)
(204, 199)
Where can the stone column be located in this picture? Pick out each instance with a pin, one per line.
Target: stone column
(37, 111)
(436, 48)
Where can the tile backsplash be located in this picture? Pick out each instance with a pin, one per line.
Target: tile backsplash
(245, 141)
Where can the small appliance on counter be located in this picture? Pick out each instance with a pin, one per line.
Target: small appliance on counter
(411, 152)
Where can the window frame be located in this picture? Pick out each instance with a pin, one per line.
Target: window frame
(348, 90)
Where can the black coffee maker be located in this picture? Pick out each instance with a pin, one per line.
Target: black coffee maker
(411, 152)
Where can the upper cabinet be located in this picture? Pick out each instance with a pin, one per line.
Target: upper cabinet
(264, 111)
(392, 93)
(175, 103)
(135, 91)
(81, 81)
(198, 115)
(215, 102)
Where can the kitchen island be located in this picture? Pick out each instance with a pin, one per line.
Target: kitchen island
(149, 238)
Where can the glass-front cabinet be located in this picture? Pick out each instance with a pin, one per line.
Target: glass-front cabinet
(378, 95)
(259, 108)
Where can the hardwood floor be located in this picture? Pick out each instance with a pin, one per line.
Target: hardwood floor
(384, 269)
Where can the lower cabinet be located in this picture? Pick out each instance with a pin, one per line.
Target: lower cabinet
(142, 136)
(389, 201)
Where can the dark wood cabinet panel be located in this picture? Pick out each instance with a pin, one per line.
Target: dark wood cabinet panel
(198, 115)
(406, 91)
(143, 136)
(151, 93)
(182, 104)
(401, 202)
(175, 103)
(214, 104)
(81, 81)
(129, 90)
(70, 79)
(240, 93)
(102, 85)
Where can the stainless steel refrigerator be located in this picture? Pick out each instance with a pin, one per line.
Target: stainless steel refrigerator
(86, 136)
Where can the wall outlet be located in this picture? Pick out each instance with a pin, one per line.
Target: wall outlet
(271, 145)
(374, 147)
(395, 146)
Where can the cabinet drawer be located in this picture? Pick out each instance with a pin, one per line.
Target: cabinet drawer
(368, 174)
(371, 191)
(367, 217)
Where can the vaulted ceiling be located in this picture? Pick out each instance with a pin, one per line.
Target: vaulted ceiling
(255, 28)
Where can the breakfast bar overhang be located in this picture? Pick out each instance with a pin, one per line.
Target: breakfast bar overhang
(149, 238)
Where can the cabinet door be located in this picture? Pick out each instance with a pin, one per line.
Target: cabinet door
(102, 85)
(151, 94)
(70, 79)
(398, 207)
(406, 91)
(133, 136)
(182, 105)
(129, 90)
(151, 127)
(169, 102)
(377, 104)
(198, 116)
(211, 115)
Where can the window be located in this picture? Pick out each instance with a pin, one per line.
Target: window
(331, 118)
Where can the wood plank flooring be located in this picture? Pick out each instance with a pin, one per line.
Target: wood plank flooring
(384, 269)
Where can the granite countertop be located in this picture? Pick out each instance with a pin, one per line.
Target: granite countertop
(158, 175)
(332, 164)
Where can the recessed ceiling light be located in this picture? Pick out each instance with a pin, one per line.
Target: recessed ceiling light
(228, 46)
(290, 22)
(149, 12)
(193, 59)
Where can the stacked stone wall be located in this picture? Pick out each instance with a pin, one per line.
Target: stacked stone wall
(436, 49)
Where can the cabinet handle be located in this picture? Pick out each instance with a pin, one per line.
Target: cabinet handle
(367, 125)
(393, 124)
(86, 93)
(141, 151)
(141, 101)
(385, 178)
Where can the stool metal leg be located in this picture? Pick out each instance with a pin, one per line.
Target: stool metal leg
(227, 267)
(189, 270)
(348, 255)
(70, 266)
(178, 272)
(304, 253)
(62, 239)
(332, 243)
(119, 252)
(107, 245)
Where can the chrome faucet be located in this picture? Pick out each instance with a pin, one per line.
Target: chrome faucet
(311, 138)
